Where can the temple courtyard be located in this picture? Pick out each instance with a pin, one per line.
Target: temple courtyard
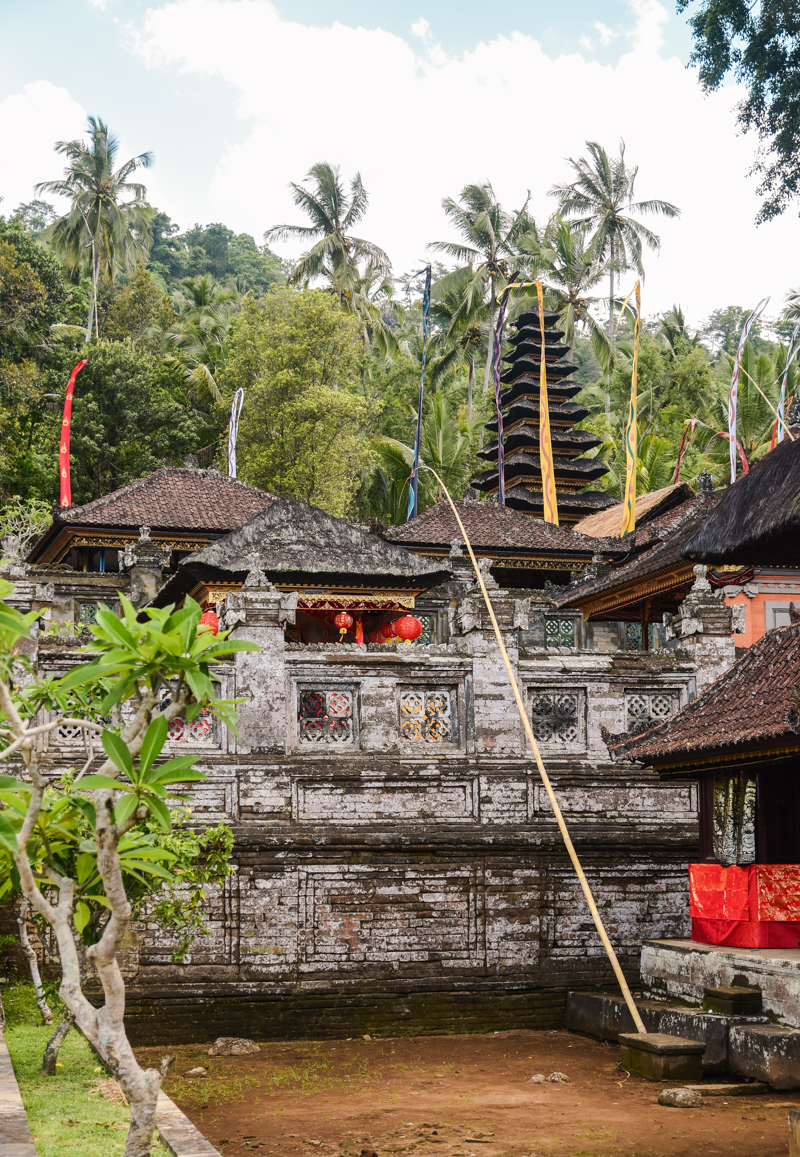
(458, 1096)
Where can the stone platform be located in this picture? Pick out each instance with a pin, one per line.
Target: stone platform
(682, 970)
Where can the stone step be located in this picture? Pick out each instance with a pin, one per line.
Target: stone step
(768, 1053)
(747, 1089)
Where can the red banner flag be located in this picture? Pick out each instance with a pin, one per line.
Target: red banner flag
(63, 453)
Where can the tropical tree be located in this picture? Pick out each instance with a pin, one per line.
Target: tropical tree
(570, 266)
(204, 313)
(489, 249)
(602, 194)
(109, 220)
(446, 444)
(458, 331)
(368, 293)
(333, 213)
(144, 674)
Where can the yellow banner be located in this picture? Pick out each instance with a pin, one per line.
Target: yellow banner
(545, 445)
(631, 437)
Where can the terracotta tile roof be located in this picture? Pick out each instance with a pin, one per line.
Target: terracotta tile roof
(491, 526)
(175, 498)
(607, 523)
(754, 701)
(676, 526)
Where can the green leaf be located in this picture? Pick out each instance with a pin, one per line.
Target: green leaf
(176, 764)
(92, 672)
(154, 741)
(125, 807)
(116, 629)
(8, 783)
(82, 915)
(8, 837)
(159, 810)
(189, 776)
(91, 782)
(117, 751)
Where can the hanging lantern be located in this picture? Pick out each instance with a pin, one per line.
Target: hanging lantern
(209, 619)
(344, 622)
(376, 636)
(407, 628)
(388, 631)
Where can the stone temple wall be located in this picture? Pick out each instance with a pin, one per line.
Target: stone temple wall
(398, 866)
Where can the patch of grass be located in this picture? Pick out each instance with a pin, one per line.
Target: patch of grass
(67, 1117)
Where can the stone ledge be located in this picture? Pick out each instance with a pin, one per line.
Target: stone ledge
(177, 1132)
(16, 1139)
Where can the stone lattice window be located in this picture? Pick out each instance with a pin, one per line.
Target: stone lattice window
(428, 632)
(554, 717)
(644, 707)
(426, 716)
(87, 612)
(633, 636)
(326, 716)
(560, 632)
(200, 730)
(69, 733)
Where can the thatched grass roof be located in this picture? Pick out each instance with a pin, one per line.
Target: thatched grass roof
(756, 522)
(607, 523)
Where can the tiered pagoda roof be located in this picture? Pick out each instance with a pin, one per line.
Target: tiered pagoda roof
(520, 406)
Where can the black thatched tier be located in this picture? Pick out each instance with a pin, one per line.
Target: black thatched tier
(569, 443)
(530, 367)
(534, 334)
(529, 349)
(563, 416)
(571, 507)
(528, 387)
(574, 473)
(530, 317)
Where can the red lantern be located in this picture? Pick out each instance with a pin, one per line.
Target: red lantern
(343, 621)
(388, 631)
(376, 636)
(209, 619)
(408, 628)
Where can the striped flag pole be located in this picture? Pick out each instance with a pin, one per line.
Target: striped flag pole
(63, 452)
(794, 346)
(545, 444)
(733, 400)
(413, 482)
(233, 430)
(631, 436)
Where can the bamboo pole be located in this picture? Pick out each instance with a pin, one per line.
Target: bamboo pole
(587, 892)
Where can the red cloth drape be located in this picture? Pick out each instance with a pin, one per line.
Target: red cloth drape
(755, 906)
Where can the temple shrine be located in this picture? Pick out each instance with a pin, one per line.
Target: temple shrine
(520, 408)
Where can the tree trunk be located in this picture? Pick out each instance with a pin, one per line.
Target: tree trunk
(33, 963)
(610, 318)
(490, 353)
(54, 1044)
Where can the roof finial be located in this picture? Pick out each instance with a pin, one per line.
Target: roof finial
(705, 483)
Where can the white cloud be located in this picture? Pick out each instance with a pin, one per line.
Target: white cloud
(419, 124)
(30, 123)
(605, 34)
(101, 5)
(422, 29)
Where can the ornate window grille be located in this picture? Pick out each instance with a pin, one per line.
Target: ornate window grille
(560, 632)
(633, 636)
(200, 730)
(426, 716)
(646, 707)
(326, 716)
(554, 717)
(428, 632)
(87, 612)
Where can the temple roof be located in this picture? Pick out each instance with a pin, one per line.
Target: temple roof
(753, 703)
(493, 527)
(292, 541)
(648, 506)
(626, 584)
(757, 520)
(171, 498)
(520, 436)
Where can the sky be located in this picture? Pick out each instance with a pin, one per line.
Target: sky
(236, 98)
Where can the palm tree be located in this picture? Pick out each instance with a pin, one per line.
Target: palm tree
(457, 331)
(205, 311)
(490, 235)
(333, 213)
(571, 266)
(109, 220)
(368, 294)
(602, 193)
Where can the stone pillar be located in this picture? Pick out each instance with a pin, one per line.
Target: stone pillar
(704, 624)
(146, 569)
(258, 613)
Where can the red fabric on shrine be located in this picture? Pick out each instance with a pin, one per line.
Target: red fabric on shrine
(746, 933)
(775, 892)
(63, 450)
(718, 893)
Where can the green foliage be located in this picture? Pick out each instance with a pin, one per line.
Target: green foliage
(33, 293)
(202, 861)
(299, 358)
(24, 519)
(131, 411)
(139, 310)
(235, 260)
(759, 43)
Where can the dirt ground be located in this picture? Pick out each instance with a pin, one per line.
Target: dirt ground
(464, 1096)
